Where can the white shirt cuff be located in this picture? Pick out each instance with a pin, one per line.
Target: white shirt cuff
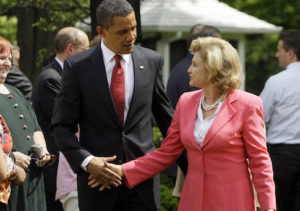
(86, 161)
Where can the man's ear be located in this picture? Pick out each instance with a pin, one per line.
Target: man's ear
(69, 49)
(101, 31)
(292, 55)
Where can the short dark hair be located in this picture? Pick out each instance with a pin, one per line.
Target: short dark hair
(108, 9)
(291, 40)
(200, 30)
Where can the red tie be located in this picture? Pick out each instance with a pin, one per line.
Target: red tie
(117, 87)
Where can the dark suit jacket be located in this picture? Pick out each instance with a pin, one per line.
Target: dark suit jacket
(18, 79)
(178, 83)
(43, 98)
(179, 79)
(85, 98)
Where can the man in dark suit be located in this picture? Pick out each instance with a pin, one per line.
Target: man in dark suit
(179, 79)
(111, 91)
(68, 42)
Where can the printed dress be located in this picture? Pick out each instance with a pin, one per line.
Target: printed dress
(6, 144)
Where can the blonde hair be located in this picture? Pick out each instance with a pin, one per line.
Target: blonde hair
(221, 61)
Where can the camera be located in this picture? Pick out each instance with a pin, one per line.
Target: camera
(36, 151)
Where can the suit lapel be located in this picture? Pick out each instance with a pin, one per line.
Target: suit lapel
(56, 66)
(138, 68)
(225, 114)
(99, 79)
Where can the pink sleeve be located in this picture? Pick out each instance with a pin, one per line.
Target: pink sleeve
(259, 159)
(152, 163)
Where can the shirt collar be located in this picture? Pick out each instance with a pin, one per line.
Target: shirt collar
(109, 54)
(293, 65)
(60, 62)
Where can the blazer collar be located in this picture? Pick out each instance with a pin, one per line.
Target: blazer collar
(226, 112)
(98, 76)
(139, 63)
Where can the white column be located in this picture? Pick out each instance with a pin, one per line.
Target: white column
(242, 53)
(163, 47)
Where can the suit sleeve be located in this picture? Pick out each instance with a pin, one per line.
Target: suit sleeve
(47, 94)
(66, 118)
(259, 160)
(161, 106)
(152, 163)
(18, 79)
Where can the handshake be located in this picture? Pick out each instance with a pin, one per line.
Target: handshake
(103, 173)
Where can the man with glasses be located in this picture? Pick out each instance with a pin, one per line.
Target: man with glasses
(68, 41)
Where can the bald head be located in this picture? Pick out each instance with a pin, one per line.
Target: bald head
(70, 35)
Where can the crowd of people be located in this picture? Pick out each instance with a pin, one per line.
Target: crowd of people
(82, 137)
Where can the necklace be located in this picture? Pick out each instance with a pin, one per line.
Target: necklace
(207, 107)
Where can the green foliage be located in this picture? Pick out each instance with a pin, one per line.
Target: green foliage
(167, 201)
(157, 137)
(8, 28)
(260, 49)
(55, 13)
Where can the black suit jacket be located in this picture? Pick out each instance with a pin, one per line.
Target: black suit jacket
(179, 79)
(43, 98)
(18, 79)
(85, 98)
(178, 83)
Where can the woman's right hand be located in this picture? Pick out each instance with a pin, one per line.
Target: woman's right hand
(116, 168)
(22, 160)
(20, 177)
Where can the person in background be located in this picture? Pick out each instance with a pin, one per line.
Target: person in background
(220, 127)
(111, 91)
(9, 172)
(15, 54)
(281, 101)
(16, 77)
(96, 40)
(25, 132)
(68, 42)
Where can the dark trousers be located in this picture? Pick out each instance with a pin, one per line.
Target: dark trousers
(116, 199)
(3, 207)
(286, 166)
(52, 204)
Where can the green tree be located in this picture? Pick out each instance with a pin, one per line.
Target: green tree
(261, 49)
(37, 24)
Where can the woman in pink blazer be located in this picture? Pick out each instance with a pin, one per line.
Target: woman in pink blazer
(221, 128)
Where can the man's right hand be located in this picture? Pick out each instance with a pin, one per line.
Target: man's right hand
(103, 175)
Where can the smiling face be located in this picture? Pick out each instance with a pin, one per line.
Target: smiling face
(198, 73)
(121, 35)
(5, 64)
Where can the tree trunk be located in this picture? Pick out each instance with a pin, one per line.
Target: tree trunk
(31, 41)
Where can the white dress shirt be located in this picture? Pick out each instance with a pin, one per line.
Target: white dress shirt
(109, 63)
(202, 125)
(60, 62)
(281, 106)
